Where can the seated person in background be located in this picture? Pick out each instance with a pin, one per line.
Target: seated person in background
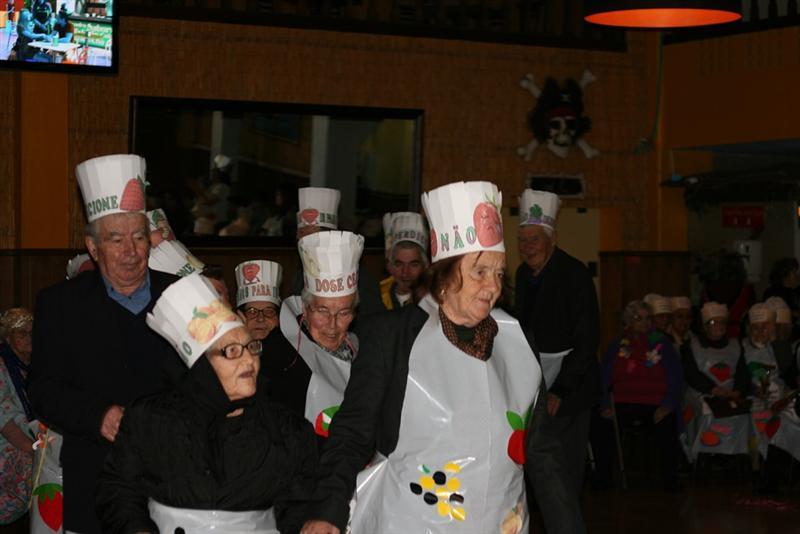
(643, 372)
(63, 26)
(258, 299)
(214, 453)
(406, 240)
(661, 312)
(213, 272)
(680, 326)
(22, 51)
(42, 13)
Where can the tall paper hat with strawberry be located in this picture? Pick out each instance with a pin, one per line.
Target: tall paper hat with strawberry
(330, 262)
(680, 303)
(407, 226)
(760, 313)
(783, 314)
(318, 206)
(191, 315)
(464, 217)
(539, 208)
(160, 230)
(112, 184)
(713, 310)
(173, 258)
(258, 281)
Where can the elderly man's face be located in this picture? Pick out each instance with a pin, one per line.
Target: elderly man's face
(406, 267)
(329, 318)
(259, 317)
(536, 246)
(121, 249)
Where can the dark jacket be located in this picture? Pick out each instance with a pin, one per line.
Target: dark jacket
(557, 311)
(369, 419)
(88, 354)
(180, 449)
(286, 373)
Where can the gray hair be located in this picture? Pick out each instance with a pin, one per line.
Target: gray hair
(306, 297)
(423, 256)
(92, 229)
(631, 310)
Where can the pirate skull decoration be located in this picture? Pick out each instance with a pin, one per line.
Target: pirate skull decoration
(557, 120)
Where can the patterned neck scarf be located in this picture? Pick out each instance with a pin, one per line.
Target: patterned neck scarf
(482, 342)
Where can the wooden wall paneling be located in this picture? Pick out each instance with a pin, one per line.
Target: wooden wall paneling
(9, 160)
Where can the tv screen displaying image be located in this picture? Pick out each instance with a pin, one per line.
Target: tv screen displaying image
(63, 35)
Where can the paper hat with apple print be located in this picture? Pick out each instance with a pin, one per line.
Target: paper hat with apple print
(783, 314)
(464, 217)
(680, 303)
(160, 230)
(713, 310)
(318, 206)
(330, 262)
(78, 264)
(112, 184)
(258, 281)
(538, 207)
(760, 313)
(173, 258)
(406, 226)
(191, 315)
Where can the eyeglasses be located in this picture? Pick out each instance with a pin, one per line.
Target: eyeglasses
(326, 315)
(234, 351)
(267, 313)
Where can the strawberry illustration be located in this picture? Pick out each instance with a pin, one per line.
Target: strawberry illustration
(133, 195)
(516, 443)
(50, 500)
(772, 426)
(323, 421)
(250, 272)
(309, 215)
(710, 439)
(487, 224)
(721, 371)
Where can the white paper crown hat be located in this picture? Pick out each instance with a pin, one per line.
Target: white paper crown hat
(760, 313)
(258, 280)
(330, 262)
(318, 206)
(464, 217)
(160, 230)
(783, 314)
(191, 316)
(78, 264)
(538, 207)
(713, 310)
(680, 303)
(410, 227)
(112, 184)
(660, 305)
(173, 258)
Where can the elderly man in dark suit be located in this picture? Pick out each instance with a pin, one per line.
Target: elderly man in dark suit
(557, 307)
(93, 354)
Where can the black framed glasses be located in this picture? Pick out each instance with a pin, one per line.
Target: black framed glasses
(234, 351)
(267, 313)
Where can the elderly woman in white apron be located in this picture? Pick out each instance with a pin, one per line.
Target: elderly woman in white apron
(773, 375)
(716, 376)
(444, 391)
(214, 455)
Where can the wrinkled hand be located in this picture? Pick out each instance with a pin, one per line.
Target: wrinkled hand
(553, 404)
(111, 421)
(318, 527)
(660, 413)
(608, 413)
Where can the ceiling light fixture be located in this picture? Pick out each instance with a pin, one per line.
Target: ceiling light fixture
(660, 14)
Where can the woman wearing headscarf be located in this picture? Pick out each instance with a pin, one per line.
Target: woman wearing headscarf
(444, 392)
(214, 455)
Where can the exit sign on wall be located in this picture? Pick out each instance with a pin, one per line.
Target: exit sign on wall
(743, 216)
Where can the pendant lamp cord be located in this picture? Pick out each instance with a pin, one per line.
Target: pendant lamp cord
(646, 144)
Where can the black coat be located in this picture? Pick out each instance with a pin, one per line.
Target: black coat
(369, 419)
(180, 449)
(286, 373)
(560, 313)
(88, 354)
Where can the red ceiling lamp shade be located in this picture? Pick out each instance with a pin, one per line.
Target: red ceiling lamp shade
(661, 14)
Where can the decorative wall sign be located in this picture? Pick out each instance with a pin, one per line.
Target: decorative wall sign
(563, 185)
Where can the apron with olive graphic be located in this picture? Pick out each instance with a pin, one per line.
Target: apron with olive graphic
(457, 464)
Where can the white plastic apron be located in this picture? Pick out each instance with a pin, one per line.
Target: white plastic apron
(451, 470)
(726, 435)
(782, 429)
(551, 365)
(329, 375)
(192, 521)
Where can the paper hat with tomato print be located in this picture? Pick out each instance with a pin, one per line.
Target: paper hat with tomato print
(318, 206)
(713, 310)
(406, 226)
(112, 184)
(330, 262)
(78, 264)
(160, 230)
(680, 303)
(760, 313)
(258, 281)
(191, 315)
(464, 217)
(539, 208)
(173, 258)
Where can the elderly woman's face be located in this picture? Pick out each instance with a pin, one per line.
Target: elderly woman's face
(641, 320)
(763, 332)
(20, 341)
(481, 285)
(716, 328)
(238, 376)
(329, 318)
(259, 317)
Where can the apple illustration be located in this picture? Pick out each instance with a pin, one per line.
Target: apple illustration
(487, 224)
(710, 439)
(250, 272)
(772, 426)
(721, 371)
(516, 443)
(309, 215)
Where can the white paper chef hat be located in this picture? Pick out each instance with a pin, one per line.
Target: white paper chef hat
(112, 184)
(191, 315)
(160, 230)
(464, 217)
(760, 313)
(318, 206)
(783, 314)
(330, 262)
(539, 208)
(713, 310)
(258, 280)
(221, 162)
(659, 305)
(680, 303)
(78, 264)
(407, 226)
(173, 258)
(387, 232)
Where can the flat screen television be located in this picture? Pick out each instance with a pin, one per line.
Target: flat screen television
(59, 35)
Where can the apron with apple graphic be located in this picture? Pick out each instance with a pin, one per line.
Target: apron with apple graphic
(457, 466)
(329, 375)
(724, 435)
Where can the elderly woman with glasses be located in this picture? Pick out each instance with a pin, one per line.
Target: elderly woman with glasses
(214, 454)
(642, 387)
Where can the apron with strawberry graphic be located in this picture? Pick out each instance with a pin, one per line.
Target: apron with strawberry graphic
(724, 435)
(47, 497)
(779, 429)
(193, 521)
(457, 465)
(329, 375)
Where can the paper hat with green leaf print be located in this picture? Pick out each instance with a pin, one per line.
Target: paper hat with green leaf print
(318, 206)
(258, 281)
(330, 262)
(173, 258)
(112, 184)
(190, 315)
(538, 207)
(464, 217)
(160, 230)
